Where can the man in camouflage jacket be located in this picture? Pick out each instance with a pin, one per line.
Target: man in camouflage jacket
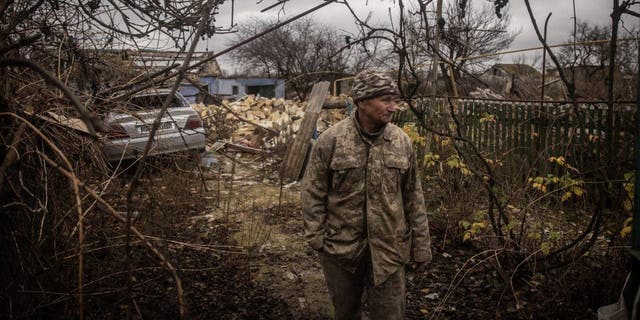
(363, 206)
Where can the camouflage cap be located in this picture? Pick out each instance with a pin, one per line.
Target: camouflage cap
(370, 84)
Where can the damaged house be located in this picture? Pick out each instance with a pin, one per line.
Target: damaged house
(591, 82)
(521, 81)
(234, 88)
(230, 88)
(207, 77)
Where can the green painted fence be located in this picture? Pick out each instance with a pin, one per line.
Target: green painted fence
(536, 131)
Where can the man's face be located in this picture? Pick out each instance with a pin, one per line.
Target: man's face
(376, 112)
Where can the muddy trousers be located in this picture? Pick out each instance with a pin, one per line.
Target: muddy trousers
(386, 301)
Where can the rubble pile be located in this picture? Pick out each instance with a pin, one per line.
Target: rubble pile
(264, 123)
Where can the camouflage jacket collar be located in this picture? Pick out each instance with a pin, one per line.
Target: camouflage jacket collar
(374, 140)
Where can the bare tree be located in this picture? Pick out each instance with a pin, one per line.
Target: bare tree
(471, 31)
(592, 48)
(468, 30)
(299, 52)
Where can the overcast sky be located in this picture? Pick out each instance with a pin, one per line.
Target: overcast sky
(559, 29)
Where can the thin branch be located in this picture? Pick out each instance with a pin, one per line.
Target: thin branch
(11, 155)
(570, 85)
(90, 119)
(204, 20)
(74, 182)
(132, 229)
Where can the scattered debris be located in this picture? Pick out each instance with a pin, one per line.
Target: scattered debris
(265, 123)
(432, 296)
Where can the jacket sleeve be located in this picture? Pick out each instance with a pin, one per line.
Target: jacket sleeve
(416, 212)
(315, 187)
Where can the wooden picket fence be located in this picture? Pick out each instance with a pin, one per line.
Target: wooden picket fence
(536, 131)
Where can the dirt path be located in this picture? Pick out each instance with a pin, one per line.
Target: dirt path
(281, 262)
(281, 271)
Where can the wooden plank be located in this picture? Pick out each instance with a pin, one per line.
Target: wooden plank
(570, 134)
(526, 133)
(465, 117)
(614, 136)
(339, 102)
(541, 121)
(500, 130)
(478, 114)
(294, 158)
(477, 125)
(496, 129)
(526, 146)
(469, 119)
(473, 125)
(553, 123)
(514, 127)
(530, 119)
(563, 139)
(590, 130)
(583, 133)
(550, 142)
(555, 142)
(485, 126)
(599, 129)
(491, 132)
(508, 108)
(515, 109)
(520, 129)
(442, 116)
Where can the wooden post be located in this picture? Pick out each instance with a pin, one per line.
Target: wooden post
(296, 153)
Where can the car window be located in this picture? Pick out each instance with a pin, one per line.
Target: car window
(152, 102)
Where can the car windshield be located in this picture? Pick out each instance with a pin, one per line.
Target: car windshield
(152, 102)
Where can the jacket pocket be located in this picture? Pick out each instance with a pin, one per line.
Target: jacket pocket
(395, 168)
(345, 174)
(340, 243)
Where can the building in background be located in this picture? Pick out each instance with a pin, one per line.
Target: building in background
(233, 88)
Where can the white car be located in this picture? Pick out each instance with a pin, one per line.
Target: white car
(181, 128)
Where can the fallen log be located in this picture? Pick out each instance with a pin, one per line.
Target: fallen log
(333, 102)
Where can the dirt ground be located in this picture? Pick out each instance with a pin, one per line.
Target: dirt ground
(270, 228)
(462, 282)
(240, 254)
